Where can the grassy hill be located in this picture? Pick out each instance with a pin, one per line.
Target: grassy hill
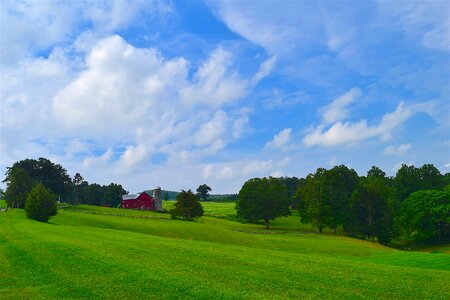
(97, 253)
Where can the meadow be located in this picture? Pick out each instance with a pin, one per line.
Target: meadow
(97, 253)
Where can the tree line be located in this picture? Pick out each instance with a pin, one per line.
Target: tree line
(412, 206)
(23, 175)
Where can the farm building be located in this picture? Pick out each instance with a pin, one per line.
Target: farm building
(143, 200)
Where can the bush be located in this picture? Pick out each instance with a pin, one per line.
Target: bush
(187, 206)
(40, 204)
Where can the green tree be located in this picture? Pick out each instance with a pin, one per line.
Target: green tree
(338, 185)
(264, 199)
(2, 193)
(17, 188)
(52, 176)
(311, 198)
(165, 196)
(203, 192)
(376, 172)
(79, 183)
(187, 206)
(425, 216)
(410, 179)
(371, 214)
(406, 181)
(40, 204)
(430, 178)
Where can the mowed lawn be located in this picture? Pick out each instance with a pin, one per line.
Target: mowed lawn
(99, 253)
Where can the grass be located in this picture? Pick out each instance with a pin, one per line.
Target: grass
(98, 253)
(212, 209)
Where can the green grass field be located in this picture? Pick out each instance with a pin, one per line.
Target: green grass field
(98, 253)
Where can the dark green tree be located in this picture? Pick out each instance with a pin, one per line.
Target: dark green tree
(112, 194)
(2, 193)
(264, 199)
(40, 204)
(311, 197)
(371, 214)
(18, 186)
(203, 192)
(430, 178)
(338, 185)
(165, 196)
(187, 206)
(79, 183)
(376, 172)
(406, 181)
(425, 216)
(52, 176)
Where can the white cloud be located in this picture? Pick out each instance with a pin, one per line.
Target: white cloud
(352, 132)
(264, 70)
(337, 110)
(214, 83)
(399, 150)
(280, 140)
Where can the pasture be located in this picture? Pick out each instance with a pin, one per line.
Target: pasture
(97, 253)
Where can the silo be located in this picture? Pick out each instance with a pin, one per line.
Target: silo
(157, 198)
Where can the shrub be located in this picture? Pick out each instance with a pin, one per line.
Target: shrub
(40, 204)
(187, 206)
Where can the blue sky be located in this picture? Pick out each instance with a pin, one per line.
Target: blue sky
(182, 93)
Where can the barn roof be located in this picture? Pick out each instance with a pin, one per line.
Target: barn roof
(129, 197)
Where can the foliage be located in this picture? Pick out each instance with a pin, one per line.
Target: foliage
(187, 206)
(165, 195)
(18, 186)
(291, 184)
(370, 210)
(425, 216)
(203, 192)
(325, 196)
(264, 199)
(78, 182)
(52, 176)
(338, 184)
(40, 204)
(2, 193)
(410, 179)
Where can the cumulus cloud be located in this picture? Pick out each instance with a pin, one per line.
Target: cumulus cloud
(342, 133)
(337, 110)
(397, 150)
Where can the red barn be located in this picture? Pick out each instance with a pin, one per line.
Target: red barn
(141, 201)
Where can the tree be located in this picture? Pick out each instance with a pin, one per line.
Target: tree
(2, 193)
(78, 182)
(40, 204)
(112, 194)
(203, 192)
(264, 199)
(52, 176)
(371, 214)
(17, 188)
(425, 216)
(338, 184)
(410, 179)
(376, 172)
(166, 195)
(312, 208)
(187, 206)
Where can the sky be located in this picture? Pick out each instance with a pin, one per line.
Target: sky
(180, 93)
